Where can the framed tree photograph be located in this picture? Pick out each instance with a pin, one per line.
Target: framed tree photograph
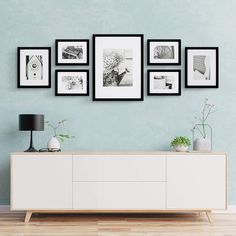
(164, 52)
(118, 67)
(201, 67)
(72, 82)
(72, 51)
(34, 67)
(164, 82)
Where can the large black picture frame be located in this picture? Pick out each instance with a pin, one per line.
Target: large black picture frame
(141, 93)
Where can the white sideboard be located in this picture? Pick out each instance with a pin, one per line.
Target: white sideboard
(118, 182)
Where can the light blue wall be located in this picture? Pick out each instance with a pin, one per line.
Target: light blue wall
(147, 125)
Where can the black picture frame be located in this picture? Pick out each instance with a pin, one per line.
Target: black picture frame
(149, 41)
(164, 94)
(71, 94)
(141, 36)
(57, 41)
(19, 84)
(187, 49)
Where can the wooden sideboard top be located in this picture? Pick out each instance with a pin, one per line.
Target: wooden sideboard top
(119, 153)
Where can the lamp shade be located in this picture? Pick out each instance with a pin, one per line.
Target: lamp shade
(31, 122)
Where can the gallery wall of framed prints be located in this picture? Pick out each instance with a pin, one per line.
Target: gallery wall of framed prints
(163, 52)
(72, 52)
(118, 68)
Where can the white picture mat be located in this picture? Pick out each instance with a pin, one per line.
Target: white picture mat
(45, 59)
(160, 91)
(176, 52)
(61, 86)
(190, 77)
(72, 43)
(132, 43)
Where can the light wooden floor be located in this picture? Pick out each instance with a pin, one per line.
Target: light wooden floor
(122, 225)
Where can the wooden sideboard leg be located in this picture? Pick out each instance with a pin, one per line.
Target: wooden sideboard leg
(28, 216)
(209, 217)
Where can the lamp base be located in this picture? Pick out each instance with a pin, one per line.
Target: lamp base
(31, 146)
(31, 149)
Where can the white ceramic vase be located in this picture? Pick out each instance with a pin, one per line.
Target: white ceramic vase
(181, 148)
(202, 144)
(54, 144)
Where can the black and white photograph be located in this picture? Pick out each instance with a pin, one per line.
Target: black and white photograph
(71, 82)
(118, 67)
(72, 51)
(163, 51)
(201, 67)
(164, 82)
(34, 67)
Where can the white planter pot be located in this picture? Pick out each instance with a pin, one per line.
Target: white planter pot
(181, 148)
(202, 144)
(53, 144)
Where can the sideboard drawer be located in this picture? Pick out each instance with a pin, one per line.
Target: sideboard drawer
(119, 195)
(119, 168)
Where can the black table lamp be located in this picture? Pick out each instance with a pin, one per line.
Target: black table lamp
(31, 122)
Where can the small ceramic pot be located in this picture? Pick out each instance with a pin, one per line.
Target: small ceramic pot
(181, 148)
(53, 144)
(202, 144)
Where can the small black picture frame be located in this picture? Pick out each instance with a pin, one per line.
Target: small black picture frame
(165, 86)
(164, 52)
(33, 67)
(72, 52)
(201, 67)
(118, 42)
(63, 89)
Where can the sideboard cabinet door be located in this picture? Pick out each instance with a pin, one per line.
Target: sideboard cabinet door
(41, 182)
(196, 181)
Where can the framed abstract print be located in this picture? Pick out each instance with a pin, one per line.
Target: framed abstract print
(117, 67)
(164, 82)
(201, 67)
(34, 67)
(72, 52)
(71, 82)
(163, 51)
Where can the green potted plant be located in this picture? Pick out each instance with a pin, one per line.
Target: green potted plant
(54, 143)
(180, 143)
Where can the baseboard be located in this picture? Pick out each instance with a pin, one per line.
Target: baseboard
(4, 208)
(231, 209)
